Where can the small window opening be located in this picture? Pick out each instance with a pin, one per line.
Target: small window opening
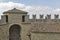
(6, 18)
(23, 18)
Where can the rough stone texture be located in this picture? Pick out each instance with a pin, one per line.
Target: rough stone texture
(46, 27)
(36, 29)
(45, 36)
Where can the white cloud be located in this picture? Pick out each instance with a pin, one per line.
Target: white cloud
(31, 9)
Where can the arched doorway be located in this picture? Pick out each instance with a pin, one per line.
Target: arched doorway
(14, 32)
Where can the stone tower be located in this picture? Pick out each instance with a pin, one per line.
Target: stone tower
(15, 25)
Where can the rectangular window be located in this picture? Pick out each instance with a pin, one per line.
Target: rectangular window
(23, 18)
(6, 18)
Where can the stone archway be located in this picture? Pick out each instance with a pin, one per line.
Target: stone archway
(14, 32)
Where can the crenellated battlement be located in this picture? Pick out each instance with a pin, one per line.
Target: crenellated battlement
(47, 18)
(56, 16)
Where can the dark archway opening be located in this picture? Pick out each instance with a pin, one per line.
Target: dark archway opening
(14, 32)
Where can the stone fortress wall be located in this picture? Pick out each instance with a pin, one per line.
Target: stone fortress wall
(45, 29)
(31, 29)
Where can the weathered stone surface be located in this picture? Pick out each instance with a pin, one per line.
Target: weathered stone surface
(45, 36)
(31, 29)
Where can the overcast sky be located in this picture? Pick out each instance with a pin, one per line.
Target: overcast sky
(32, 6)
